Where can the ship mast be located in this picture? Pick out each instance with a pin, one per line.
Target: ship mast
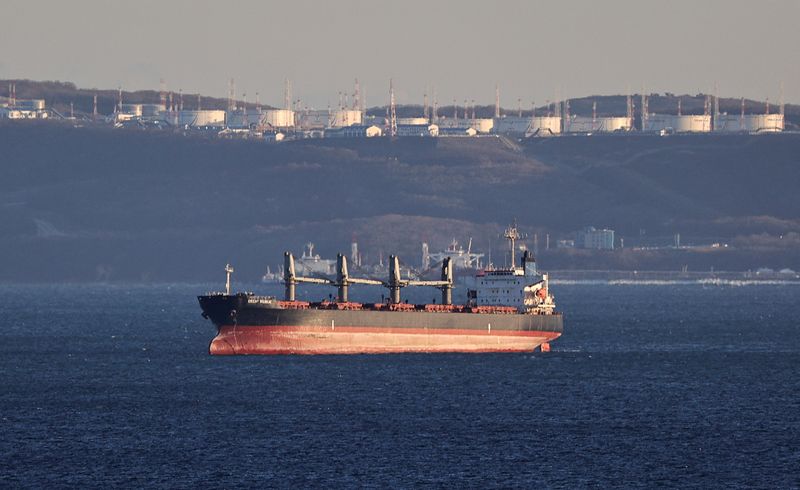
(512, 235)
(228, 272)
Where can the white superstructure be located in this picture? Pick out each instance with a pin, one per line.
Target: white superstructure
(520, 287)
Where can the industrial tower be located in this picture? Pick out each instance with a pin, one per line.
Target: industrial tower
(392, 111)
(497, 100)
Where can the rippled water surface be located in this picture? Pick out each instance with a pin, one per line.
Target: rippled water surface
(680, 385)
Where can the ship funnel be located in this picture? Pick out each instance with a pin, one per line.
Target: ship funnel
(528, 263)
(342, 277)
(394, 279)
(447, 276)
(288, 276)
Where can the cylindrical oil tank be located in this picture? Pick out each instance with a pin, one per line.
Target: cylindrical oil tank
(763, 123)
(582, 124)
(545, 125)
(240, 119)
(751, 123)
(349, 117)
(511, 125)
(203, 118)
(729, 123)
(482, 125)
(678, 124)
(279, 118)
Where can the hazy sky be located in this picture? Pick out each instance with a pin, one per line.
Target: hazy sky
(463, 48)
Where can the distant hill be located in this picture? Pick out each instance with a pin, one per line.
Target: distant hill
(97, 203)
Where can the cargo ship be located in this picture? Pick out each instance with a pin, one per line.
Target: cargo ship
(507, 310)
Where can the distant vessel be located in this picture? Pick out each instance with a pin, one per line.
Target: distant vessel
(270, 277)
(309, 263)
(509, 310)
(460, 258)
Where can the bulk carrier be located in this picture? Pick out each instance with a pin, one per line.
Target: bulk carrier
(507, 310)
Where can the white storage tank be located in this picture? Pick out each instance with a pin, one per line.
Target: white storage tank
(536, 126)
(751, 123)
(347, 117)
(678, 124)
(511, 125)
(581, 124)
(194, 118)
(545, 125)
(242, 120)
(764, 123)
(279, 118)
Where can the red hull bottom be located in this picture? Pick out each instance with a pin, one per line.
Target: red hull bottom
(232, 340)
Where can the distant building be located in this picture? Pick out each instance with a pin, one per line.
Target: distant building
(591, 237)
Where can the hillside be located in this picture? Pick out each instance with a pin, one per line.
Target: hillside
(84, 204)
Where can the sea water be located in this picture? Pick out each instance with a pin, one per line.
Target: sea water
(690, 385)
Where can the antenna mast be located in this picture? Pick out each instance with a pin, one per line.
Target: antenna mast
(162, 93)
(644, 111)
(231, 95)
(512, 235)
(435, 106)
(497, 100)
(392, 111)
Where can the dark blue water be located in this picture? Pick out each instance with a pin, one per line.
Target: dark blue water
(650, 385)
